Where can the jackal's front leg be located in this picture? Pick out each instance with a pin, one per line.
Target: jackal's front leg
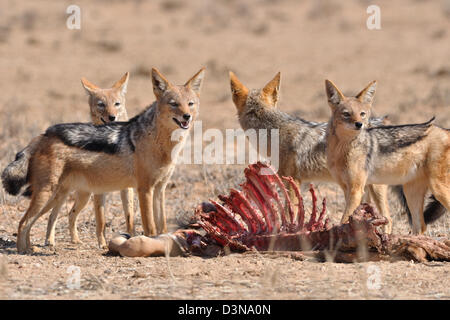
(353, 195)
(159, 207)
(145, 194)
(379, 194)
(99, 208)
(128, 209)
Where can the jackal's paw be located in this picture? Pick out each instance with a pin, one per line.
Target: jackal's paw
(50, 244)
(25, 251)
(76, 241)
(103, 245)
(35, 249)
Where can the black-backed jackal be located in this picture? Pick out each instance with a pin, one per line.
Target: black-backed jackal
(416, 156)
(106, 105)
(83, 157)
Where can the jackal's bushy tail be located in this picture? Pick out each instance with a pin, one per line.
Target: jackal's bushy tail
(433, 210)
(15, 175)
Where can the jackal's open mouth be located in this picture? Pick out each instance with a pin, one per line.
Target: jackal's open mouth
(182, 124)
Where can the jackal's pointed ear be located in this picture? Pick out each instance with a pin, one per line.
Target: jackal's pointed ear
(89, 86)
(195, 83)
(160, 83)
(122, 84)
(239, 92)
(334, 95)
(367, 94)
(270, 93)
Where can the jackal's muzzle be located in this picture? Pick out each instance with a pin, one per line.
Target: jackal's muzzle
(185, 122)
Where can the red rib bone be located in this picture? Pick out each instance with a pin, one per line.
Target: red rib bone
(319, 224)
(235, 205)
(272, 192)
(226, 218)
(245, 206)
(276, 179)
(301, 208)
(256, 197)
(254, 179)
(227, 214)
(312, 219)
(212, 219)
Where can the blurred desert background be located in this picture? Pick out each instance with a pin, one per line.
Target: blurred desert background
(42, 61)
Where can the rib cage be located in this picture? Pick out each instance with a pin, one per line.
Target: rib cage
(261, 217)
(252, 216)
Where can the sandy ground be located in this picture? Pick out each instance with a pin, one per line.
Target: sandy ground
(41, 64)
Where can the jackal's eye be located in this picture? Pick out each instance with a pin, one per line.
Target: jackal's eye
(173, 103)
(100, 104)
(346, 114)
(363, 114)
(191, 104)
(117, 104)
